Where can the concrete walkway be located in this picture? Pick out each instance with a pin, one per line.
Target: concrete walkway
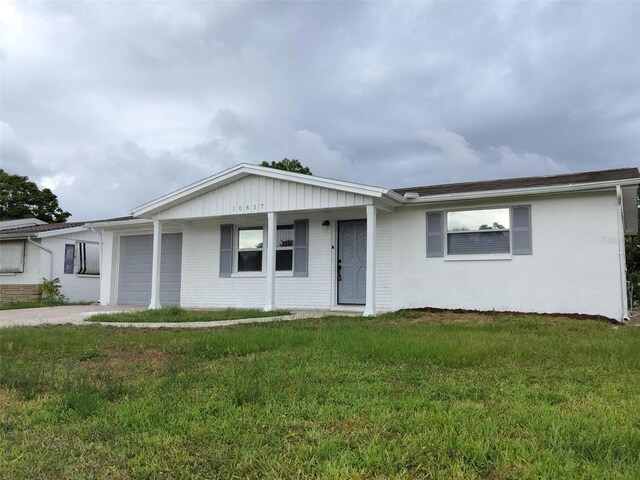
(72, 314)
(76, 315)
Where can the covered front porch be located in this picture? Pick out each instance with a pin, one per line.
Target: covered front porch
(287, 259)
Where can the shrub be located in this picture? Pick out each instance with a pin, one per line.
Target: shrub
(50, 291)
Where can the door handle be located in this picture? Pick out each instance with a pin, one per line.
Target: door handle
(339, 268)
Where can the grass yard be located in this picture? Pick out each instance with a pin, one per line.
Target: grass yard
(35, 304)
(180, 315)
(433, 395)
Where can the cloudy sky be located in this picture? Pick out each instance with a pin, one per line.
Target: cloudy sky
(112, 104)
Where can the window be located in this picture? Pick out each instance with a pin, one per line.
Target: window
(88, 259)
(12, 257)
(284, 248)
(69, 257)
(473, 232)
(250, 243)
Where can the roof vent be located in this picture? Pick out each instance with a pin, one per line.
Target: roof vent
(411, 195)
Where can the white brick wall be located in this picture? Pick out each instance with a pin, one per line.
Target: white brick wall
(383, 263)
(202, 286)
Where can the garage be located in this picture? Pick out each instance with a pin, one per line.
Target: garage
(134, 279)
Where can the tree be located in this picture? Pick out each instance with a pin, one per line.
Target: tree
(21, 198)
(292, 165)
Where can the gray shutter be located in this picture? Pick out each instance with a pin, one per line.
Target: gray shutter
(69, 255)
(301, 248)
(435, 234)
(521, 230)
(226, 250)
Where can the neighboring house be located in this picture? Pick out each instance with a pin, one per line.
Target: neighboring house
(31, 250)
(258, 237)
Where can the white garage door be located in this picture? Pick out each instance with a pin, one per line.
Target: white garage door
(134, 282)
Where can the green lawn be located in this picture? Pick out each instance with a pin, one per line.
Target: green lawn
(443, 396)
(34, 304)
(179, 315)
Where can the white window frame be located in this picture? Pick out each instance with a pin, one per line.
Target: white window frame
(237, 251)
(476, 256)
(279, 248)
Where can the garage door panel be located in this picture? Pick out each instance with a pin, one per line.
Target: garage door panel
(136, 256)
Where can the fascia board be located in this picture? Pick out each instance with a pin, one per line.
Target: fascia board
(134, 222)
(243, 170)
(548, 190)
(62, 231)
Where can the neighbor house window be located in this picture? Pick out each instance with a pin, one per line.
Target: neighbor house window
(88, 259)
(473, 232)
(12, 257)
(69, 257)
(250, 244)
(284, 248)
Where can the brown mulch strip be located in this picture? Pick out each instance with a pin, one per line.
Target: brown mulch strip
(577, 316)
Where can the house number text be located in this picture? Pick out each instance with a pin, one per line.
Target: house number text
(254, 207)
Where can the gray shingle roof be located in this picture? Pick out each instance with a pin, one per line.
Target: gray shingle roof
(524, 182)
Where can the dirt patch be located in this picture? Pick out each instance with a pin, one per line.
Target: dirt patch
(444, 316)
(492, 313)
(120, 361)
(7, 400)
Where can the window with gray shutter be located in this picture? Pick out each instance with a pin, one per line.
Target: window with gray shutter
(435, 234)
(301, 248)
(478, 232)
(521, 228)
(226, 250)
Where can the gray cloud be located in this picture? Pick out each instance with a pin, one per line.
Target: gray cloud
(112, 104)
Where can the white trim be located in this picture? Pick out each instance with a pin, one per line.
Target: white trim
(370, 288)
(478, 257)
(622, 258)
(155, 265)
(61, 231)
(270, 294)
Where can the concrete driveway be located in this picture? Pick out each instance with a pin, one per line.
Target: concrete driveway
(72, 314)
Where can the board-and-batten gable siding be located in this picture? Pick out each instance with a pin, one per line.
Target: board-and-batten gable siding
(262, 195)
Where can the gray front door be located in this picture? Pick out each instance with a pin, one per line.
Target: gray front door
(134, 280)
(352, 262)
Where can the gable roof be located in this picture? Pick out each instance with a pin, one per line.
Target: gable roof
(243, 170)
(23, 222)
(570, 179)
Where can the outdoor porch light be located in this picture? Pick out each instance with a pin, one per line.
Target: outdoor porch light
(326, 223)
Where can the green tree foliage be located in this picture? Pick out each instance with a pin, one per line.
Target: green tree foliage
(292, 165)
(632, 248)
(21, 198)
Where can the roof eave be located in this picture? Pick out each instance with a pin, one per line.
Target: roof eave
(120, 223)
(545, 190)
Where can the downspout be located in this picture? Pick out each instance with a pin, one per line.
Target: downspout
(50, 256)
(621, 257)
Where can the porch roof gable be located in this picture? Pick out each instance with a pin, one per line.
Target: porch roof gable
(162, 205)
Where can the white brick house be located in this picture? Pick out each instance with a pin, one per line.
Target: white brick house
(257, 237)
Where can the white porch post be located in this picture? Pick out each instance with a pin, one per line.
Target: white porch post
(155, 265)
(370, 299)
(270, 302)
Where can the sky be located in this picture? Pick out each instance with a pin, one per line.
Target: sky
(112, 104)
